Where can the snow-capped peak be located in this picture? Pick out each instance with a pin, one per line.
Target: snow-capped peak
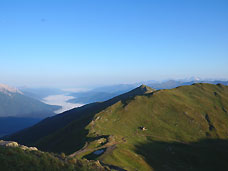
(8, 90)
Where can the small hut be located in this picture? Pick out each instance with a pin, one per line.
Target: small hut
(143, 128)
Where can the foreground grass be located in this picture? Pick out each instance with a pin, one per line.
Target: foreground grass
(13, 158)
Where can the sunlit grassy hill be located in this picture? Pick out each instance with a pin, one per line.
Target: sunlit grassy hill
(185, 128)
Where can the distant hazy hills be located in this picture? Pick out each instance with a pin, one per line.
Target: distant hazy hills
(184, 128)
(175, 83)
(14, 103)
(101, 94)
(18, 111)
(106, 92)
(40, 93)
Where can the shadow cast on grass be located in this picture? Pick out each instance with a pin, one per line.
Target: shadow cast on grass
(208, 155)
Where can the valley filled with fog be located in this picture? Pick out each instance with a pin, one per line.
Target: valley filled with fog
(61, 100)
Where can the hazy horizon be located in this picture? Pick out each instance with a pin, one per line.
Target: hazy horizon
(82, 88)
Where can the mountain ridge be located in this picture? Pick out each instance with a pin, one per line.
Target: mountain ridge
(107, 92)
(139, 131)
(51, 124)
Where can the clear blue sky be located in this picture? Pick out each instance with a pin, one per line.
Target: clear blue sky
(89, 42)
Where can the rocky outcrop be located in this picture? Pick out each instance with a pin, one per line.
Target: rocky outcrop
(15, 144)
(9, 143)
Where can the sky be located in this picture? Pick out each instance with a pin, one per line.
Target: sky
(79, 43)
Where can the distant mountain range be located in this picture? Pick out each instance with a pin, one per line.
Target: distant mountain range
(101, 93)
(175, 83)
(18, 111)
(184, 128)
(106, 92)
(14, 103)
(40, 93)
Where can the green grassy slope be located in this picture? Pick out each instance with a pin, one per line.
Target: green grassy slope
(188, 116)
(185, 128)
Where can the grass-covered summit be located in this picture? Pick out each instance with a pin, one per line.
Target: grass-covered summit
(185, 128)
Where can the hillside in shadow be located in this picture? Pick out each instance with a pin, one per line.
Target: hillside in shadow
(204, 155)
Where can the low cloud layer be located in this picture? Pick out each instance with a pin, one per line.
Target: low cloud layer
(61, 100)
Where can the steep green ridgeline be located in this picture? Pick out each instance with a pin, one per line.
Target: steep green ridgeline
(185, 129)
(179, 123)
(52, 124)
(179, 129)
(14, 158)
